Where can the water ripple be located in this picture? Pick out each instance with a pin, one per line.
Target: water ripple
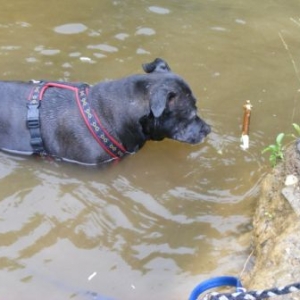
(103, 47)
(145, 31)
(70, 28)
(159, 10)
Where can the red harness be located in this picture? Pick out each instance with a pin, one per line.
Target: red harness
(101, 135)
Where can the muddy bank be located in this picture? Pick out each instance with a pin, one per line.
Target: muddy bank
(276, 232)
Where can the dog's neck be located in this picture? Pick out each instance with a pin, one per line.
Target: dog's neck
(121, 117)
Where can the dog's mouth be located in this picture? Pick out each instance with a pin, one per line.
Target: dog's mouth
(191, 140)
(193, 133)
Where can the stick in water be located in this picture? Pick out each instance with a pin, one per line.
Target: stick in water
(246, 122)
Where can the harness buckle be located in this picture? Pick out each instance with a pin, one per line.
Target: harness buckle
(37, 144)
(33, 115)
(33, 124)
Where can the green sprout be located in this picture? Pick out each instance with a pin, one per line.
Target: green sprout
(297, 129)
(276, 150)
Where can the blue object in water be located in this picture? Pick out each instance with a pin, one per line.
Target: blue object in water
(213, 283)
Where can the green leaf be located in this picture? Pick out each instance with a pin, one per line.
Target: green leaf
(280, 155)
(269, 148)
(279, 138)
(272, 160)
(297, 128)
(265, 150)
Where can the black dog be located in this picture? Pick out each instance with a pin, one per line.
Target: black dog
(90, 125)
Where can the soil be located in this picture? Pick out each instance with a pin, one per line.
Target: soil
(276, 229)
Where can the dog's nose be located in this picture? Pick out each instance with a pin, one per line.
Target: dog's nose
(206, 128)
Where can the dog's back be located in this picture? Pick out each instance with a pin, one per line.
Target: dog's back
(14, 134)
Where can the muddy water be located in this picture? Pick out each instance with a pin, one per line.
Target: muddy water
(172, 215)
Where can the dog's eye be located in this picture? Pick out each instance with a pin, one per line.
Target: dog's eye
(171, 96)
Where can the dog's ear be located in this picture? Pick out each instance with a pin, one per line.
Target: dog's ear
(159, 100)
(158, 65)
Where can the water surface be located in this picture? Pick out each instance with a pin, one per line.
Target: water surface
(172, 215)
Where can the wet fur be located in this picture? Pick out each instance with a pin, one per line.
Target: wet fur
(134, 109)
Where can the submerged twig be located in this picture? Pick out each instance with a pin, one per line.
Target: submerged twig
(296, 22)
(293, 63)
(290, 55)
(246, 263)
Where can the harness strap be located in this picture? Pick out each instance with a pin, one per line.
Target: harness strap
(93, 123)
(104, 139)
(33, 120)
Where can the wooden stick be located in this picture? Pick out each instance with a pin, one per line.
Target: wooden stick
(246, 120)
(246, 123)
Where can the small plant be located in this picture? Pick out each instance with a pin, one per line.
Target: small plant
(277, 149)
(297, 129)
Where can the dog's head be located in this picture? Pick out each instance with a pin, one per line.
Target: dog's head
(173, 111)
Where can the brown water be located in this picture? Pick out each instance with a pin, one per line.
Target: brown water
(159, 222)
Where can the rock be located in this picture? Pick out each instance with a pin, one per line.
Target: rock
(298, 145)
(291, 180)
(276, 227)
(292, 194)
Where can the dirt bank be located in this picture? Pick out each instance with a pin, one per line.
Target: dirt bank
(276, 232)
